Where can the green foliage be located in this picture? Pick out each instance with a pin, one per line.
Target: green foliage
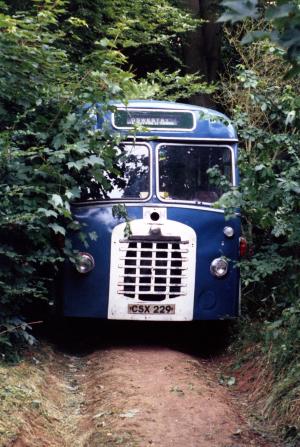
(148, 33)
(119, 212)
(45, 146)
(282, 15)
(56, 57)
(269, 191)
(282, 350)
(236, 11)
(266, 110)
(172, 85)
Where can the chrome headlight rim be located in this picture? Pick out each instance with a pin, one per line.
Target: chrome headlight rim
(85, 263)
(219, 267)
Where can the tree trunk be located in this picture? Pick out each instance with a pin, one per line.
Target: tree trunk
(202, 48)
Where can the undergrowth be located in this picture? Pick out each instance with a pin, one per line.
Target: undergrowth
(266, 110)
(274, 388)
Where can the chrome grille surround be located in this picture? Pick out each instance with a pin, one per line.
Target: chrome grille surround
(153, 270)
(155, 264)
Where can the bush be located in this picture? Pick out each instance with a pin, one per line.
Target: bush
(266, 110)
(49, 153)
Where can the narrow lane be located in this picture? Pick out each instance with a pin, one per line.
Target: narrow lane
(136, 386)
(154, 396)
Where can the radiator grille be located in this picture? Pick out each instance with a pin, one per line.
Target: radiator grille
(153, 270)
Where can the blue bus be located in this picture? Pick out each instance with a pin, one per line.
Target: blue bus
(174, 259)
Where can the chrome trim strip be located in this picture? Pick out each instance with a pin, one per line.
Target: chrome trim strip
(178, 144)
(157, 129)
(151, 204)
(161, 137)
(150, 192)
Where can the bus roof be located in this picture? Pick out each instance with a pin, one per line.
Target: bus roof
(168, 120)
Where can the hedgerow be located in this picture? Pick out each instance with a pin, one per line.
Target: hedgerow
(266, 110)
(58, 57)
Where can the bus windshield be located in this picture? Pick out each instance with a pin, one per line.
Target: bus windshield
(130, 180)
(135, 167)
(193, 172)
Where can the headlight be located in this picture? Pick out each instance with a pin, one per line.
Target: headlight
(219, 267)
(85, 263)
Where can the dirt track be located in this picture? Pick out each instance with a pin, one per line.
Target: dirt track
(138, 394)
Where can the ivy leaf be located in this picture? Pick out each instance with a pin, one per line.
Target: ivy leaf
(48, 213)
(77, 165)
(94, 160)
(259, 167)
(238, 10)
(280, 11)
(93, 235)
(56, 201)
(59, 140)
(254, 36)
(58, 229)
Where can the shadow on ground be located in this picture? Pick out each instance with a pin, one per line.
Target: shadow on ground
(84, 336)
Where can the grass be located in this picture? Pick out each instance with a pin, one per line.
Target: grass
(18, 390)
(274, 391)
(32, 400)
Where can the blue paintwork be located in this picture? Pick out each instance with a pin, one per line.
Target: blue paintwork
(87, 295)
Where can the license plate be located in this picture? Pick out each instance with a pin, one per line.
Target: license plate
(151, 309)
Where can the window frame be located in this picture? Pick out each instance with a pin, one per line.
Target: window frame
(166, 200)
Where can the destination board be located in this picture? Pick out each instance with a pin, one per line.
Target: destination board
(153, 119)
